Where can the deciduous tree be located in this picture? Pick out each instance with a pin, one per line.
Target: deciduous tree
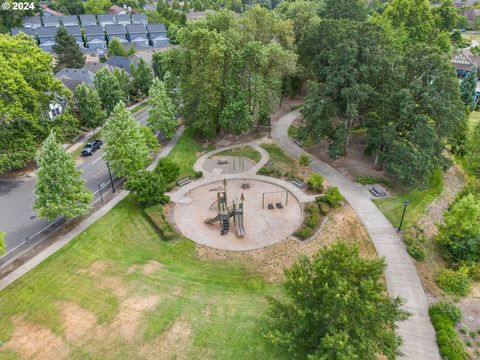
(108, 89)
(126, 148)
(89, 107)
(468, 88)
(148, 186)
(115, 48)
(336, 308)
(161, 115)
(59, 189)
(142, 77)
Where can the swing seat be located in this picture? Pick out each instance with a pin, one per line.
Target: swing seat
(279, 205)
(270, 207)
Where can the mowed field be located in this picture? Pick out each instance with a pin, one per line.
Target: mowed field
(118, 291)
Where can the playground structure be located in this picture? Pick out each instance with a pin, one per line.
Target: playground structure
(275, 199)
(225, 213)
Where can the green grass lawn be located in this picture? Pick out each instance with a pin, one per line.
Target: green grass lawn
(247, 151)
(222, 305)
(185, 153)
(139, 107)
(418, 200)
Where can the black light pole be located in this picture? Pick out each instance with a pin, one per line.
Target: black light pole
(110, 173)
(100, 192)
(269, 128)
(405, 204)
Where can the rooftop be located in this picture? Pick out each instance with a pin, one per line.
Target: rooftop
(153, 28)
(94, 30)
(136, 29)
(28, 31)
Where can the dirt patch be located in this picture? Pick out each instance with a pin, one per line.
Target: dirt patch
(453, 182)
(32, 341)
(151, 267)
(128, 319)
(77, 322)
(171, 344)
(271, 261)
(469, 327)
(113, 284)
(96, 269)
(355, 163)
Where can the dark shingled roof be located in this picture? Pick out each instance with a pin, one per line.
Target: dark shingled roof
(27, 31)
(115, 29)
(46, 31)
(71, 78)
(156, 28)
(120, 62)
(94, 30)
(136, 29)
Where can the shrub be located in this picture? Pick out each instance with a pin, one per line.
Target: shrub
(2, 243)
(448, 308)
(333, 197)
(443, 315)
(305, 160)
(168, 169)
(324, 208)
(454, 282)
(415, 247)
(198, 174)
(370, 180)
(315, 182)
(149, 187)
(155, 213)
(310, 222)
(473, 270)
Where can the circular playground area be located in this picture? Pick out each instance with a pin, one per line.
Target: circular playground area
(267, 214)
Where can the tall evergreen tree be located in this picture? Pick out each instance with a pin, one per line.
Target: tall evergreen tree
(126, 148)
(59, 189)
(89, 106)
(161, 115)
(67, 51)
(468, 88)
(108, 89)
(142, 77)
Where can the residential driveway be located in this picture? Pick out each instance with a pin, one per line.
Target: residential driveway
(401, 275)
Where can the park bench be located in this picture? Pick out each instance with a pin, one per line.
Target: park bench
(377, 191)
(184, 181)
(299, 143)
(298, 183)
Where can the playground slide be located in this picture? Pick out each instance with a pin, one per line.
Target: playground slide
(213, 220)
(239, 223)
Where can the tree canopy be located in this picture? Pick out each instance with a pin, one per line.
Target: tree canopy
(108, 88)
(126, 148)
(59, 190)
(232, 69)
(89, 106)
(161, 115)
(28, 88)
(336, 307)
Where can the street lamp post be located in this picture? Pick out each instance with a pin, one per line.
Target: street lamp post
(270, 128)
(405, 204)
(110, 174)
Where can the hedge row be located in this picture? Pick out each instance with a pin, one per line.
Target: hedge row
(444, 316)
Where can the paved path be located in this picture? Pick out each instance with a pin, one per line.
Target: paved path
(401, 276)
(44, 254)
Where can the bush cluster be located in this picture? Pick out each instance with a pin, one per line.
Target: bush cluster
(415, 247)
(304, 160)
(149, 187)
(168, 169)
(445, 315)
(333, 197)
(155, 213)
(370, 180)
(315, 182)
(198, 174)
(454, 282)
(310, 223)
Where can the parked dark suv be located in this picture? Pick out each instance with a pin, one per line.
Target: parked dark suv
(90, 148)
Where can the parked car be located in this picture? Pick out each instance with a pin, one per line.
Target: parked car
(90, 148)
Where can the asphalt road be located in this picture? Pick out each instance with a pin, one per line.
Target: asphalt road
(18, 219)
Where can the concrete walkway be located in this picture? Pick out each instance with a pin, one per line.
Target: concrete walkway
(45, 253)
(401, 276)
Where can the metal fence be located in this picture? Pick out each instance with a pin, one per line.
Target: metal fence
(98, 196)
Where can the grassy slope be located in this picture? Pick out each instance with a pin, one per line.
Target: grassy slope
(235, 298)
(280, 160)
(139, 107)
(418, 200)
(185, 153)
(247, 151)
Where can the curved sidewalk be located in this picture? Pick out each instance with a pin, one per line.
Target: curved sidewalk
(419, 341)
